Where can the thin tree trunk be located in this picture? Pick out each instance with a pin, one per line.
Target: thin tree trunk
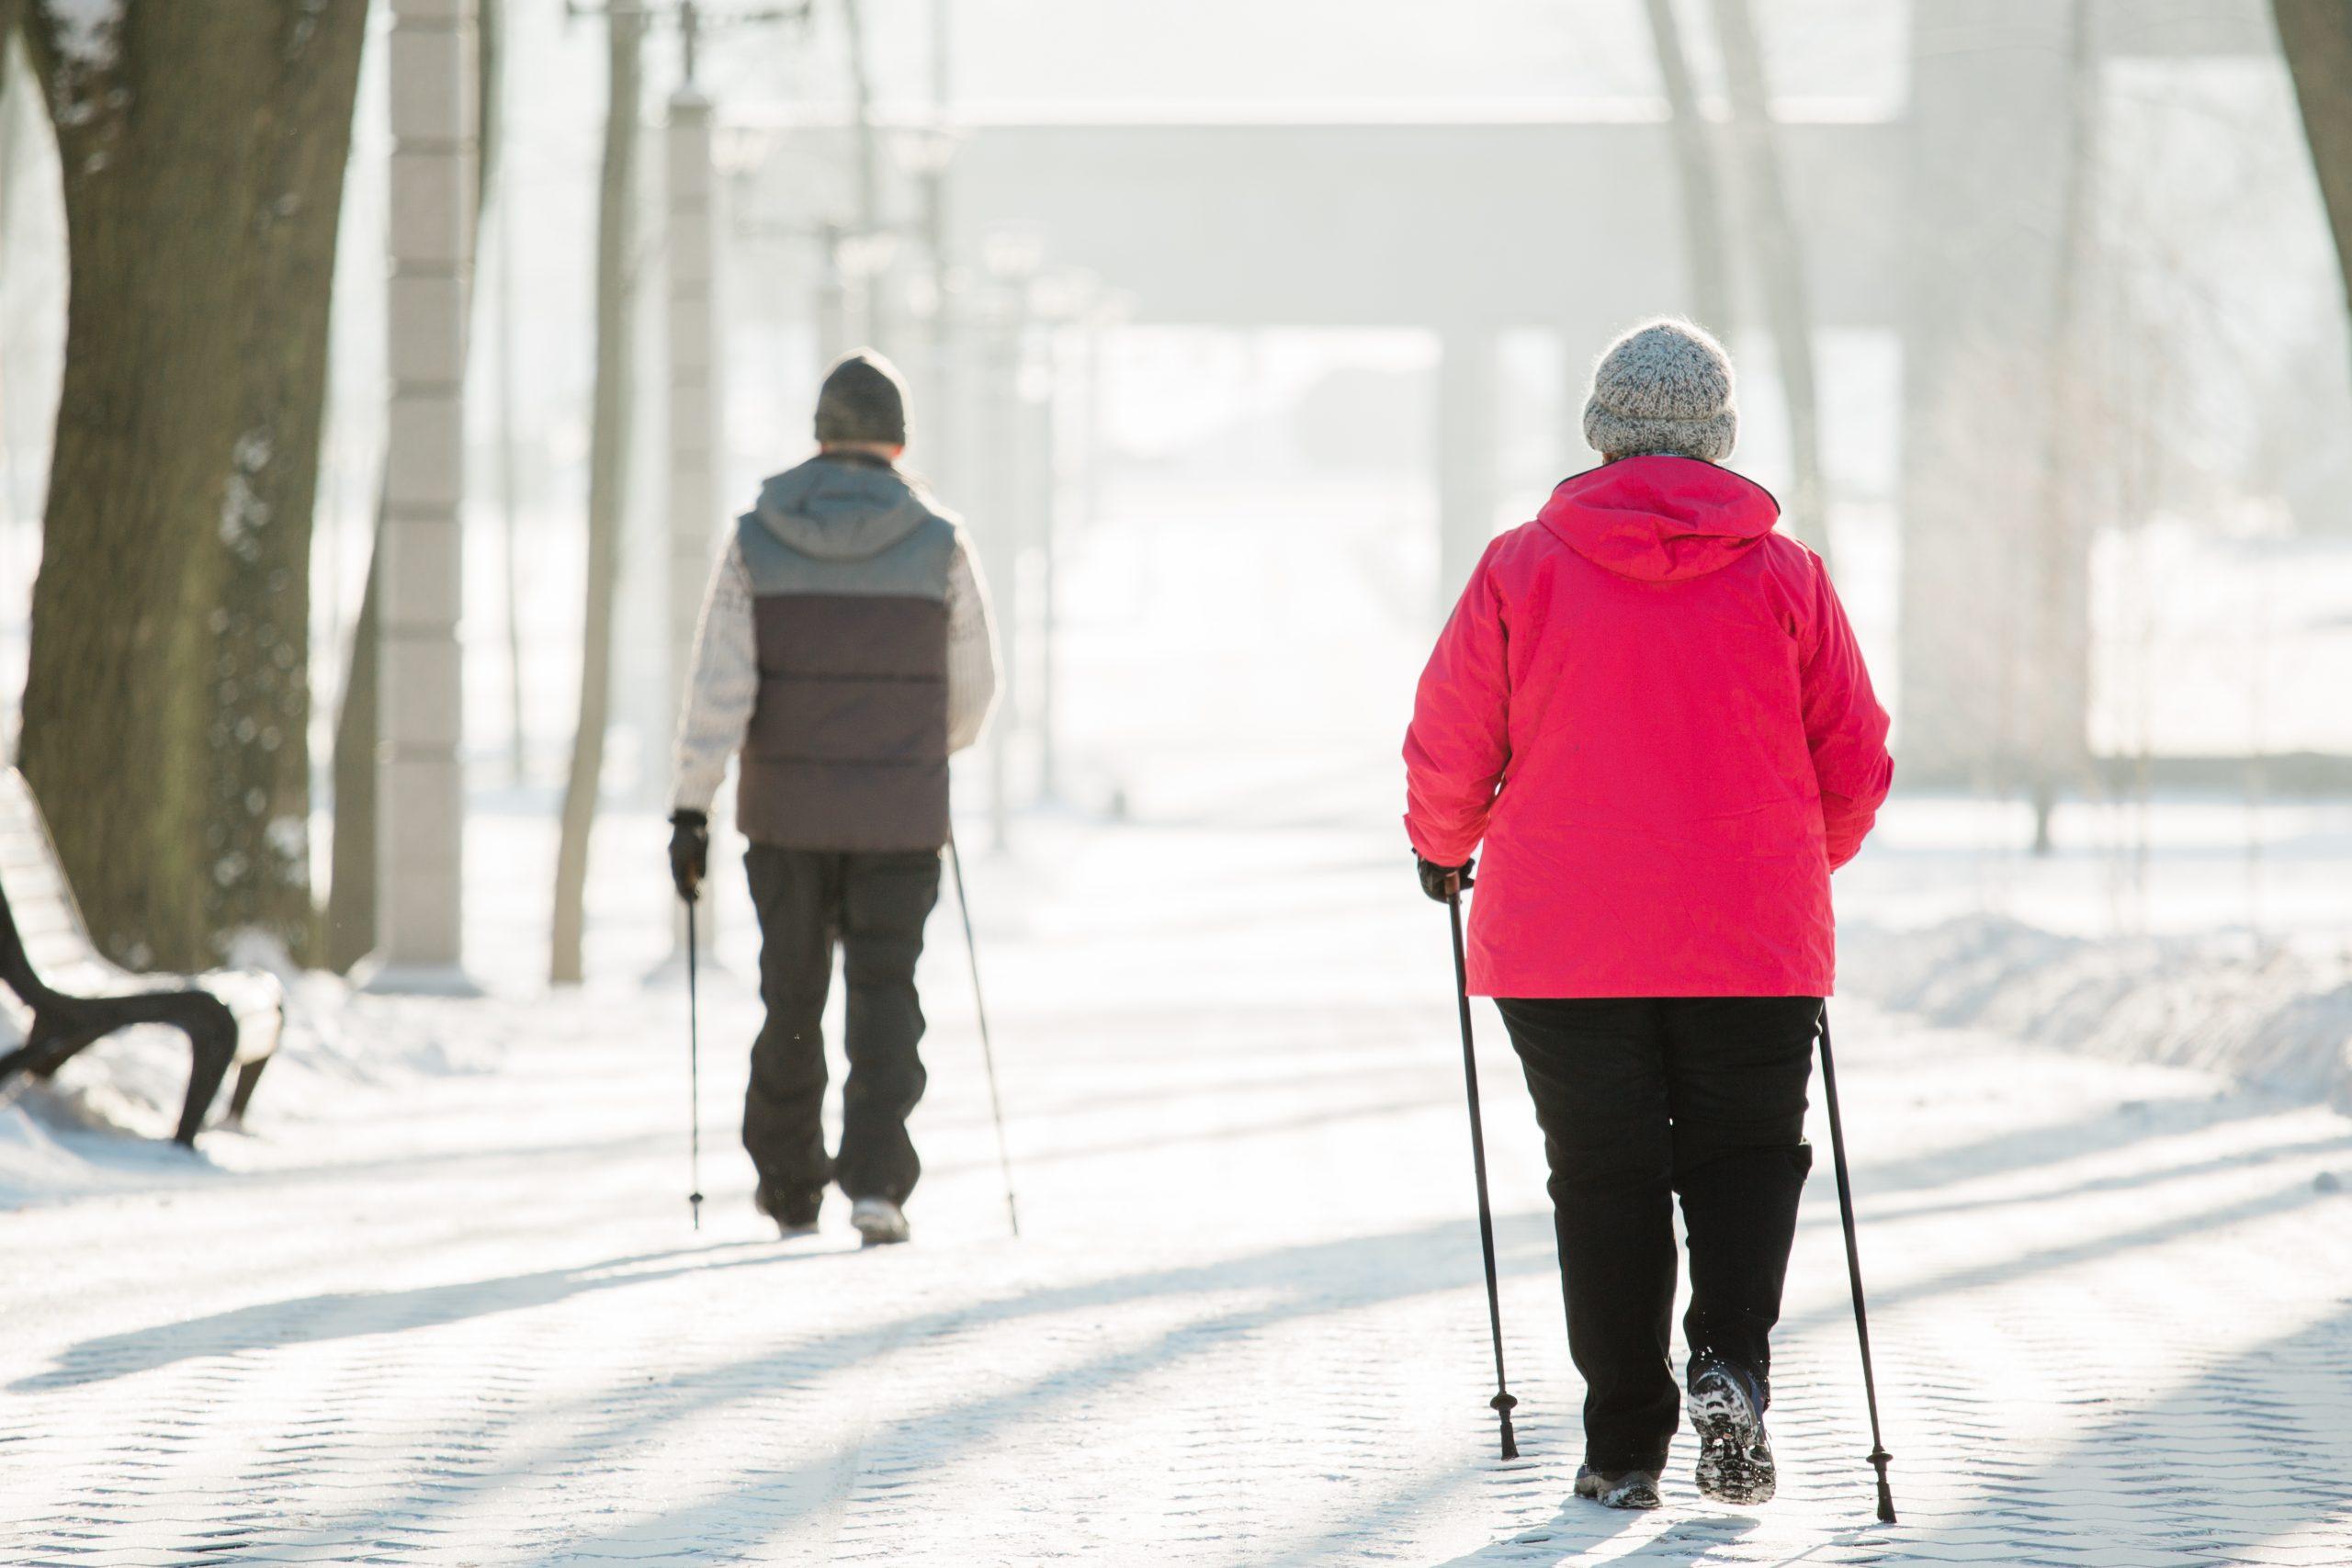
(11, 16)
(2316, 38)
(608, 489)
(1779, 261)
(1694, 162)
(493, 55)
(349, 923)
(869, 167)
(167, 698)
(2056, 741)
(510, 518)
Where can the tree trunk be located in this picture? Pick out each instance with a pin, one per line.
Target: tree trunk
(1779, 264)
(1694, 164)
(2058, 746)
(490, 25)
(2316, 37)
(167, 697)
(869, 171)
(349, 919)
(608, 489)
(12, 17)
(509, 510)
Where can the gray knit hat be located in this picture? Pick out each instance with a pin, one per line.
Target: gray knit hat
(864, 399)
(1663, 388)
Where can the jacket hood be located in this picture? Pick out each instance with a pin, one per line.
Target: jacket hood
(840, 511)
(1660, 519)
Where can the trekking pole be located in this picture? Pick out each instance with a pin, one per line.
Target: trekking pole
(987, 1051)
(1879, 1456)
(1503, 1403)
(694, 1074)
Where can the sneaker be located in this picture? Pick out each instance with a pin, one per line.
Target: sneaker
(1735, 1452)
(879, 1220)
(795, 1214)
(1626, 1489)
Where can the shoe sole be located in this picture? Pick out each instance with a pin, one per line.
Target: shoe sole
(882, 1236)
(1734, 1453)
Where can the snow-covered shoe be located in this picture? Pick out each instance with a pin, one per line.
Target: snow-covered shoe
(795, 1214)
(879, 1220)
(1626, 1489)
(1735, 1452)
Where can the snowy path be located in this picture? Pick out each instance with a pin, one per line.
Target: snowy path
(463, 1321)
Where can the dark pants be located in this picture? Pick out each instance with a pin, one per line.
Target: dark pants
(1640, 1099)
(873, 907)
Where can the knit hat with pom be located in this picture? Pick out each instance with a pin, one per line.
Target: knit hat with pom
(1664, 387)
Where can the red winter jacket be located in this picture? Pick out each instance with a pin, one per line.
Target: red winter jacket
(1651, 708)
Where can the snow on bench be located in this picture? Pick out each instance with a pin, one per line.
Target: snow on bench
(66, 995)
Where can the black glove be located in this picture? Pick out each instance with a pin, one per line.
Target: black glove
(1435, 876)
(689, 850)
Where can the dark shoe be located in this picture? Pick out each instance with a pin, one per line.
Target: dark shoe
(1626, 1489)
(795, 1214)
(1735, 1453)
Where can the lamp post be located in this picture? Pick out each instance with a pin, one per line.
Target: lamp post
(420, 788)
(1010, 256)
(1061, 297)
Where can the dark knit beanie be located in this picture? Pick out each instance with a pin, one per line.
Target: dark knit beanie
(863, 398)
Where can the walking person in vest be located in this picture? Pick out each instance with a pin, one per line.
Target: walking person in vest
(845, 652)
(1649, 709)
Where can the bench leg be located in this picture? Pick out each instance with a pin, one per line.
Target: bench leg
(242, 1094)
(214, 1054)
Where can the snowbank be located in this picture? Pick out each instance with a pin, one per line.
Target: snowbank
(108, 1114)
(2276, 1018)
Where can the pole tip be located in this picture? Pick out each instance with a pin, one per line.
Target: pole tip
(1885, 1492)
(1504, 1405)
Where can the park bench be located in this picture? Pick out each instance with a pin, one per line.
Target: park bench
(66, 995)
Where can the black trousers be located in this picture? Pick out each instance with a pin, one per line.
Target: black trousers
(874, 907)
(1641, 1099)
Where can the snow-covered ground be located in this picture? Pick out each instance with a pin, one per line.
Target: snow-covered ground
(450, 1309)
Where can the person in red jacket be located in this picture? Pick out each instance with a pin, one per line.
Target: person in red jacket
(1649, 709)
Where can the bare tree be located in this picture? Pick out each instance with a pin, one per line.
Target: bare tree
(1779, 261)
(1694, 164)
(166, 705)
(607, 487)
(349, 933)
(2057, 746)
(2316, 37)
(869, 168)
(489, 29)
